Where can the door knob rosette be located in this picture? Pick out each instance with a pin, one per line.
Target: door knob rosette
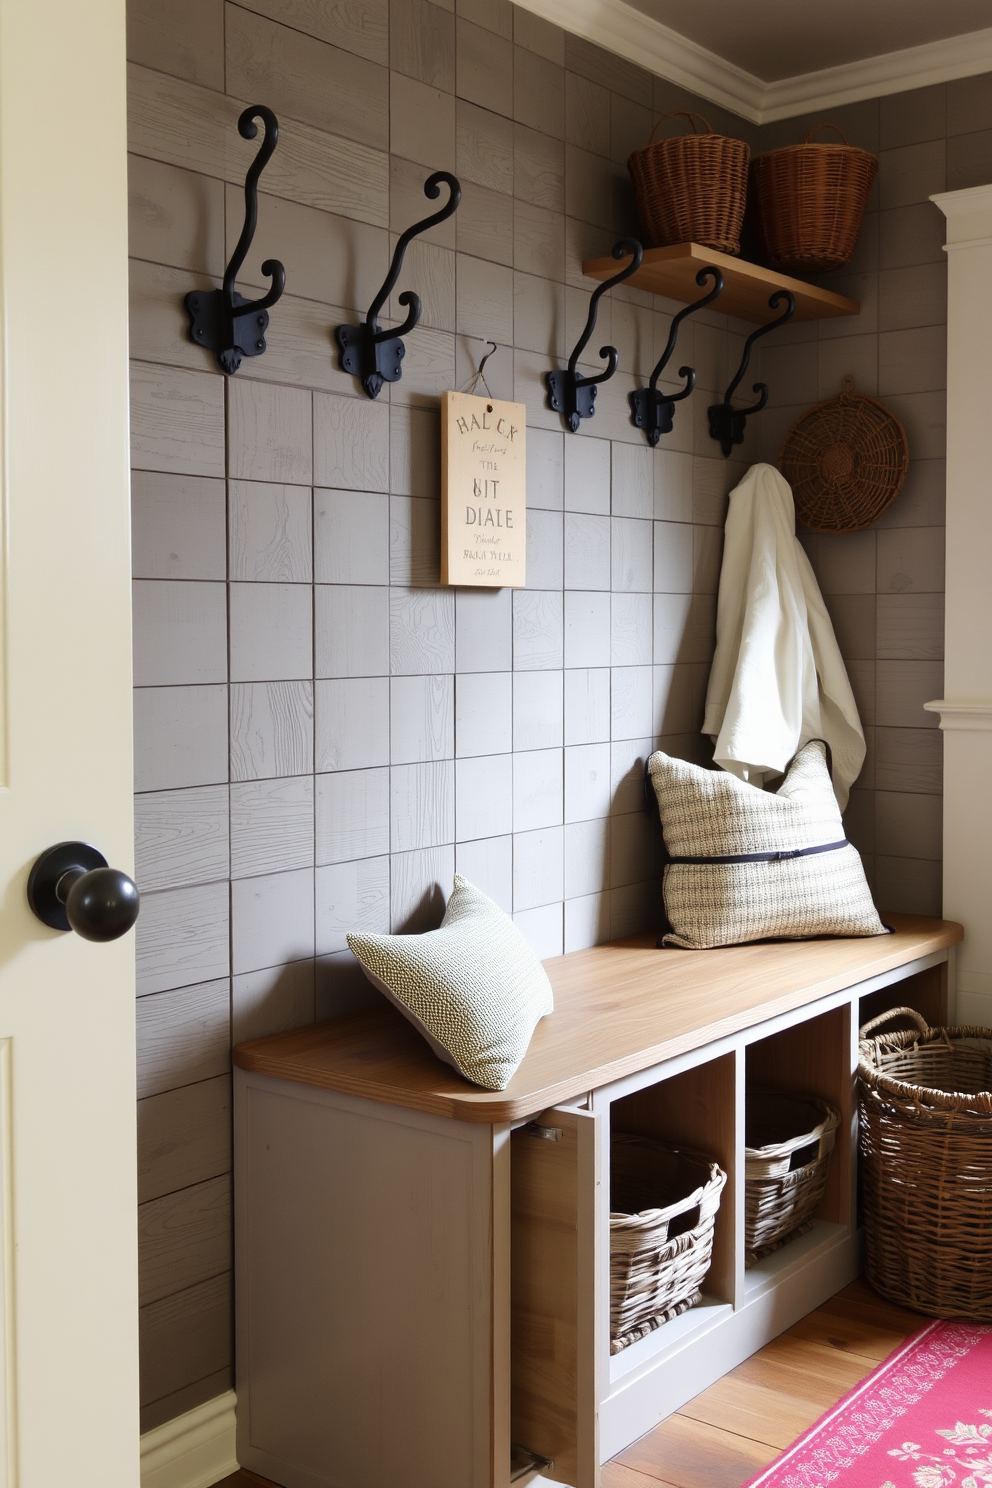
(71, 887)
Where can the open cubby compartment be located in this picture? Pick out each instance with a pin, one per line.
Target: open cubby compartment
(572, 1401)
(694, 1109)
(811, 1058)
(925, 991)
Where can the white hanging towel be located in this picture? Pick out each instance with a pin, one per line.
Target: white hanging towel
(778, 679)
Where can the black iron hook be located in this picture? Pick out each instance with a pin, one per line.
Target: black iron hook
(493, 348)
(653, 411)
(569, 393)
(375, 355)
(222, 320)
(727, 422)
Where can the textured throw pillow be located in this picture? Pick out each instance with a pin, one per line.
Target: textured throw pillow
(748, 864)
(473, 988)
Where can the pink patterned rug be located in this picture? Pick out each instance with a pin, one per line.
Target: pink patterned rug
(922, 1419)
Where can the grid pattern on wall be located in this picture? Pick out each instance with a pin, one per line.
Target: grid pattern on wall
(884, 587)
(323, 734)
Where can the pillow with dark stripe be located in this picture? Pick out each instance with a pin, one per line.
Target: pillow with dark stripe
(748, 864)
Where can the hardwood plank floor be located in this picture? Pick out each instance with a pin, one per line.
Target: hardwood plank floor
(756, 1410)
(740, 1424)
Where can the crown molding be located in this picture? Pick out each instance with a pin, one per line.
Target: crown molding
(964, 203)
(619, 28)
(875, 77)
(962, 717)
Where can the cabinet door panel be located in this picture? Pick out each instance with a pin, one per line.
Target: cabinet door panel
(555, 1196)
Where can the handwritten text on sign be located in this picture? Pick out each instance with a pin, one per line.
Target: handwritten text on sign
(483, 491)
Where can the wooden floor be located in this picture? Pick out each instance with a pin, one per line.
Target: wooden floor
(747, 1418)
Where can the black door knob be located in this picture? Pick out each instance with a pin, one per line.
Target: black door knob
(71, 887)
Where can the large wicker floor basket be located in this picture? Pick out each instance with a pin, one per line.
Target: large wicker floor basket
(664, 1206)
(926, 1165)
(789, 1140)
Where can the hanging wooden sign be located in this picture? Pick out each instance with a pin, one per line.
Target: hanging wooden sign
(483, 492)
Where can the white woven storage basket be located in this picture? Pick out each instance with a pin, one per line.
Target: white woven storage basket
(661, 1250)
(785, 1171)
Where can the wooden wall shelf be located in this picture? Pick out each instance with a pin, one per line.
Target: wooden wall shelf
(746, 286)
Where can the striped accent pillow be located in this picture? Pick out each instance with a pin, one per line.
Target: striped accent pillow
(473, 988)
(748, 864)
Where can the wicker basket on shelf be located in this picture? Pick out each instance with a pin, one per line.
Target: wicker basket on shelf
(664, 1205)
(926, 1165)
(789, 1140)
(810, 202)
(692, 188)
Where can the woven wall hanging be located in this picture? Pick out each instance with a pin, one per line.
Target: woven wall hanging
(846, 460)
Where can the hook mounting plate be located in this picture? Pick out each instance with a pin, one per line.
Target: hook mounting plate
(727, 425)
(375, 362)
(652, 412)
(574, 403)
(205, 309)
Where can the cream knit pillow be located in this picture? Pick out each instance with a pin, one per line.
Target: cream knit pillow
(748, 864)
(473, 988)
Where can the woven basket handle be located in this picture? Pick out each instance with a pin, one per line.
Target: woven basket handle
(682, 114)
(900, 1012)
(836, 127)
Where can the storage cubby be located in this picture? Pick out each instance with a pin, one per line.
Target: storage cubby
(492, 1209)
(925, 992)
(694, 1109)
(813, 1058)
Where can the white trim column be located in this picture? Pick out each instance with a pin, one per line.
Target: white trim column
(966, 708)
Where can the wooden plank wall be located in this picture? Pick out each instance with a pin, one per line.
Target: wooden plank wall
(286, 564)
(315, 719)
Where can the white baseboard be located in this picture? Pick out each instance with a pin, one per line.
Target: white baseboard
(194, 1450)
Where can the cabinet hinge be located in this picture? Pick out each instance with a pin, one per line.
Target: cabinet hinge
(524, 1462)
(546, 1133)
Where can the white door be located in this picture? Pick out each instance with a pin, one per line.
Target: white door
(68, 1299)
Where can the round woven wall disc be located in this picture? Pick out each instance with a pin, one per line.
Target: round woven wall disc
(846, 460)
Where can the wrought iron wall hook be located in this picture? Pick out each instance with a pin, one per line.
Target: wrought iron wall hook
(569, 392)
(222, 320)
(375, 355)
(653, 411)
(493, 348)
(727, 422)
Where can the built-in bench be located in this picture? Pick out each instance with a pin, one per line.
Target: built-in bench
(422, 1267)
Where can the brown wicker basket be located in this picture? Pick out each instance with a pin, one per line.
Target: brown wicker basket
(664, 1206)
(789, 1140)
(926, 1165)
(691, 189)
(810, 203)
(846, 460)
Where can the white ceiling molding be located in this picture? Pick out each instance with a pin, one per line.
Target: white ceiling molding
(629, 33)
(874, 77)
(619, 28)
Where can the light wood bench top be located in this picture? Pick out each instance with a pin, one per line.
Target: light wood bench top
(619, 1008)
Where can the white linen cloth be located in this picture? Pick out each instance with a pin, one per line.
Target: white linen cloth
(778, 679)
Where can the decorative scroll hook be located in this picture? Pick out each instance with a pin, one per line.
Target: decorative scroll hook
(569, 393)
(493, 348)
(727, 422)
(222, 320)
(653, 411)
(375, 355)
